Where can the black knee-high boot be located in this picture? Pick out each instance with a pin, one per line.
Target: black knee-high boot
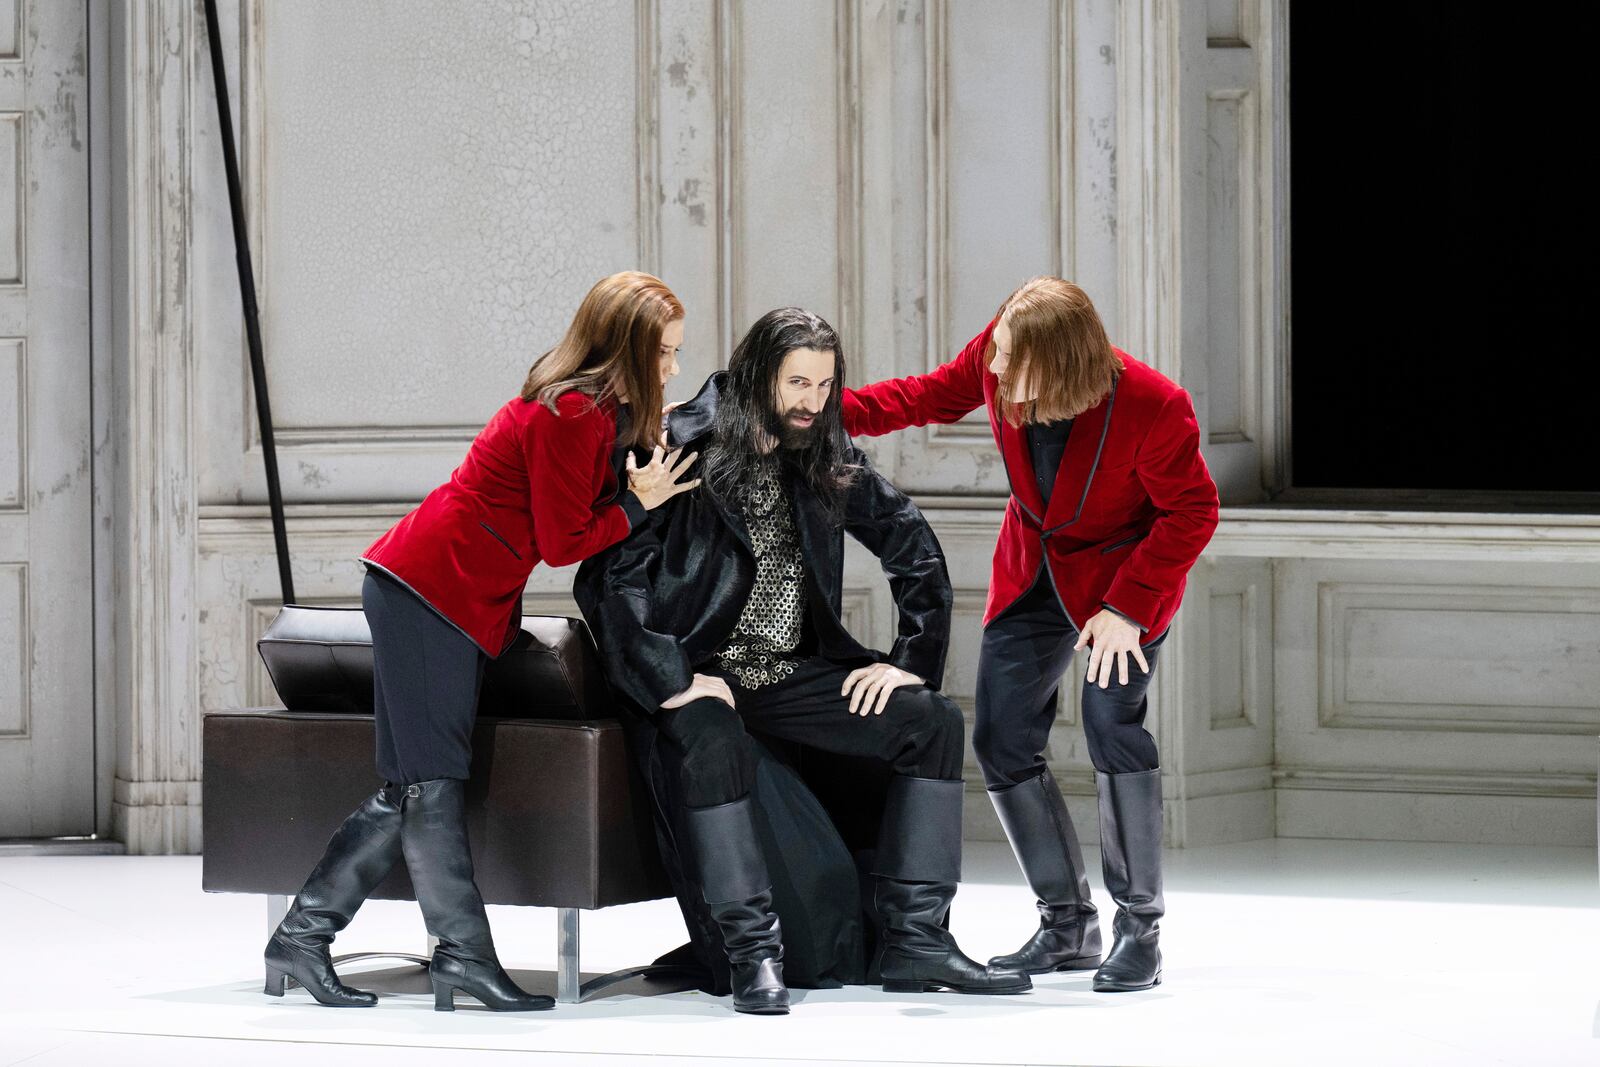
(733, 877)
(433, 835)
(1130, 850)
(918, 865)
(359, 855)
(1041, 834)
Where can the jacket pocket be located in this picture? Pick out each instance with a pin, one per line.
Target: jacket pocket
(497, 537)
(1125, 541)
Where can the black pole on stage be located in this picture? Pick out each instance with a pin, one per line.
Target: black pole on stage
(247, 296)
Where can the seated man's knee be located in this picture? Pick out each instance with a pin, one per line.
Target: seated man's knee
(929, 713)
(704, 720)
(936, 732)
(708, 732)
(947, 715)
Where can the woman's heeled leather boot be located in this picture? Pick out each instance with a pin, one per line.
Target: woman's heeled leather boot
(1041, 833)
(359, 856)
(733, 877)
(918, 865)
(433, 836)
(1130, 850)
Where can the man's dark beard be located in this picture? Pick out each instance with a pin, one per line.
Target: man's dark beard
(790, 437)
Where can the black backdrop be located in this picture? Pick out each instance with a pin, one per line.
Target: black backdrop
(1442, 199)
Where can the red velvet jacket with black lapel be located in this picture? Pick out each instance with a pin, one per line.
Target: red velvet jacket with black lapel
(535, 487)
(1133, 504)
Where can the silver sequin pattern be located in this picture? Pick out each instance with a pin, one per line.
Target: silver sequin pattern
(770, 626)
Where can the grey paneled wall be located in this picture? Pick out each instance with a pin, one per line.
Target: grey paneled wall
(433, 187)
(1450, 693)
(433, 190)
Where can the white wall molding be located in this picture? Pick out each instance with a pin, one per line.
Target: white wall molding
(1433, 535)
(155, 49)
(1455, 783)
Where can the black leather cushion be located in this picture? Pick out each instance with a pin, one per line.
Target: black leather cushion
(555, 812)
(320, 659)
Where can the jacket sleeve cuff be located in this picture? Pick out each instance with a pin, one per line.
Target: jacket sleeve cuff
(666, 682)
(925, 663)
(635, 510)
(1137, 603)
(1125, 615)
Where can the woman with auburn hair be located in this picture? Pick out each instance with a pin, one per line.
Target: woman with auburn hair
(443, 593)
(1111, 504)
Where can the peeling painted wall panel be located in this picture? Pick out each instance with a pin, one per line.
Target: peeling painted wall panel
(442, 186)
(13, 197)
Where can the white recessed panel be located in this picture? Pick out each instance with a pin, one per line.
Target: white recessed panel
(14, 638)
(1000, 148)
(442, 185)
(1461, 659)
(1227, 638)
(10, 29)
(786, 163)
(13, 425)
(13, 197)
(1230, 266)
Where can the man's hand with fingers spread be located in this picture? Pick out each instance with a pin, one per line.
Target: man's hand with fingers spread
(1115, 640)
(869, 687)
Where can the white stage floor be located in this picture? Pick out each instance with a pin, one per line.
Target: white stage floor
(1277, 952)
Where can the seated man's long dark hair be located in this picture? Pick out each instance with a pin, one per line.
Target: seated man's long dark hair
(747, 410)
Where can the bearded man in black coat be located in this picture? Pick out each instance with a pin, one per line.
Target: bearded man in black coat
(720, 619)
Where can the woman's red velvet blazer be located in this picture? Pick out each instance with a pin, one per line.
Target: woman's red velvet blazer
(536, 487)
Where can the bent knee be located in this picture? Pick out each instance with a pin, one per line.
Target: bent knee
(933, 712)
(706, 722)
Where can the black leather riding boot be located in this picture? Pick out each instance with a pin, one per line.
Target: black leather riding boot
(1041, 834)
(733, 876)
(1130, 850)
(918, 865)
(433, 834)
(359, 855)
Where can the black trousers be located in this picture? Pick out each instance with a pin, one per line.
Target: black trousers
(425, 680)
(920, 733)
(1025, 652)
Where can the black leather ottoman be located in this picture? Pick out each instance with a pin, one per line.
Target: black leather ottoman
(556, 811)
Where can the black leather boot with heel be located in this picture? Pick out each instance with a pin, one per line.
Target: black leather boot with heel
(733, 878)
(1130, 851)
(360, 855)
(433, 836)
(918, 865)
(1041, 833)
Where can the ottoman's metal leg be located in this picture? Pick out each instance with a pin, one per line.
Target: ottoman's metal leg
(277, 908)
(568, 977)
(570, 986)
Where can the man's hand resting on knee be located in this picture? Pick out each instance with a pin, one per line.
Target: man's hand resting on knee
(704, 685)
(873, 685)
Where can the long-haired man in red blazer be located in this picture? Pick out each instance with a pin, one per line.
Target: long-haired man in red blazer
(1111, 504)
